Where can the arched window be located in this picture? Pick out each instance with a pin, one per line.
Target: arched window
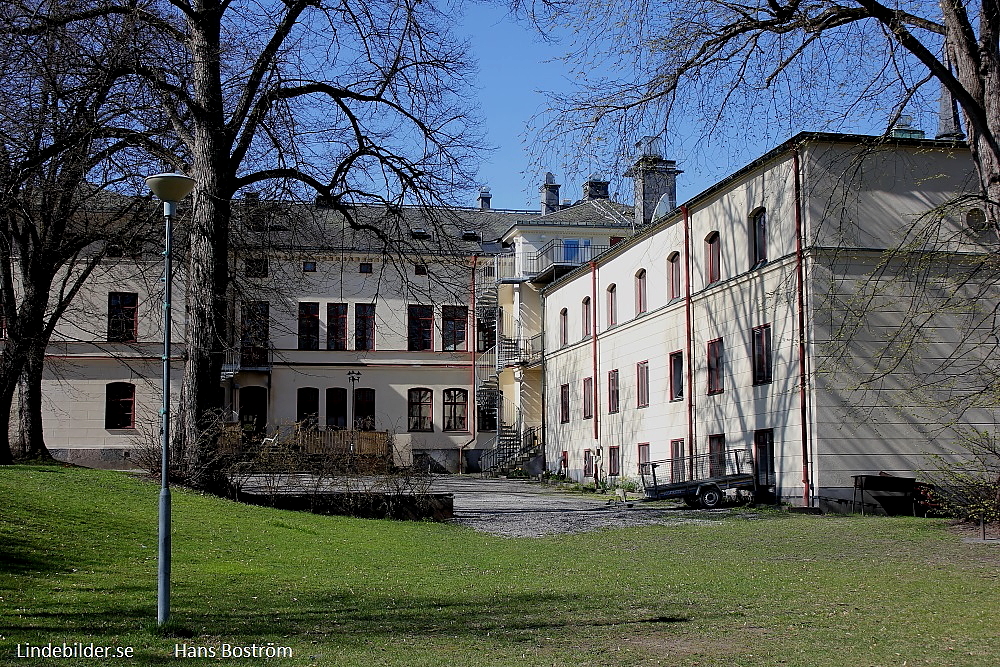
(640, 292)
(612, 305)
(976, 220)
(674, 275)
(713, 258)
(456, 409)
(563, 326)
(758, 238)
(119, 409)
(307, 407)
(420, 409)
(586, 315)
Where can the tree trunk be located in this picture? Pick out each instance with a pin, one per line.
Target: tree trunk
(31, 439)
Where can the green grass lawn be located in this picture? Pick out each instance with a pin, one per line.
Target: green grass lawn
(78, 564)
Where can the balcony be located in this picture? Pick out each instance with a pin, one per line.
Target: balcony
(519, 351)
(554, 260)
(257, 358)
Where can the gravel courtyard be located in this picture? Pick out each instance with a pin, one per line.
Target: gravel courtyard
(514, 508)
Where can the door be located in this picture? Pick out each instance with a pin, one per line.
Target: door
(253, 410)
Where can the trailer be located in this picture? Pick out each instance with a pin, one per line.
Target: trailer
(701, 480)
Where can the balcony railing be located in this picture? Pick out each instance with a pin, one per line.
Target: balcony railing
(247, 358)
(554, 258)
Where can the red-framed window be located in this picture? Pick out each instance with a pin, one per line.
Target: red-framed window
(758, 238)
(612, 305)
(307, 407)
(676, 364)
(420, 328)
(677, 460)
(713, 257)
(586, 317)
(563, 327)
(642, 451)
(763, 457)
(364, 326)
(456, 410)
(761, 354)
(336, 326)
(119, 408)
(674, 276)
(420, 409)
(641, 304)
(613, 393)
(564, 404)
(642, 384)
(716, 357)
(308, 325)
(588, 463)
(123, 317)
(454, 324)
(614, 461)
(588, 398)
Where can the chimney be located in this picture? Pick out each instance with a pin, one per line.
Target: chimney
(484, 198)
(949, 125)
(595, 188)
(654, 178)
(550, 194)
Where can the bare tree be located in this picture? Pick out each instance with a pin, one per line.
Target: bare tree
(62, 160)
(767, 66)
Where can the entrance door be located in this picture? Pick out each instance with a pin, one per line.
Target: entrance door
(253, 410)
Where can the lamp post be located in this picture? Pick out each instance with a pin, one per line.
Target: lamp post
(170, 189)
(353, 376)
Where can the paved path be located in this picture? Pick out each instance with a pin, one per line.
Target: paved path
(529, 509)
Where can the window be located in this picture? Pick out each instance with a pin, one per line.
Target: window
(307, 407)
(564, 462)
(763, 456)
(336, 408)
(119, 409)
(612, 305)
(677, 460)
(364, 409)
(336, 326)
(309, 266)
(364, 326)
(564, 404)
(420, 329)
(758, 238)
(976, 220)
(255, 267)
(713, 257)
(588, 463)
(716, 455)
(456, 409)
(676, 364)
(365, 267)
(613, 391)
(715, 358)
(123, 317)
(454, 322)
(588, 398)
(255, 338)
(586, 317)
(563, 326)
(486, 331)
(642, 384)
(420, 270)
(761, 354)
(614, 461)
(640, 292)
(308, 325)
(419, 409)
(643, 452)
(674, 276)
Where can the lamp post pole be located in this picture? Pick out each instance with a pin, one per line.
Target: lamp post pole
(353, 376)
(170, 188)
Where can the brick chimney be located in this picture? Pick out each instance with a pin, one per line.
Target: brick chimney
(654, 178)
(550, 194)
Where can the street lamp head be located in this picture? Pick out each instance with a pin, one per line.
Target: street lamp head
(170, 187)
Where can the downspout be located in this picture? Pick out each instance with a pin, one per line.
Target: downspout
(800, 288)
(689, 334)
(545, 441)
(473, 344)
(593, 345)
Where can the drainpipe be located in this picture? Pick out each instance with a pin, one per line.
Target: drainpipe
(800, 288)
(689, 334)
(545, 439)
(593, 347)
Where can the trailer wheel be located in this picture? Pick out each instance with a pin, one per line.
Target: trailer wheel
(710, 497)
(692, 501)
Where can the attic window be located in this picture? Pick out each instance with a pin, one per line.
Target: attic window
(470, 236)
(365, 267)
(309, 266)
(421, 234)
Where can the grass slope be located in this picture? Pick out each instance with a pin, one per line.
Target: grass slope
(78, 564)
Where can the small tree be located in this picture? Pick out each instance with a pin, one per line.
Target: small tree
(968, 482)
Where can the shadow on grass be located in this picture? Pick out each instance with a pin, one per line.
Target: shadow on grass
(29, 555)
